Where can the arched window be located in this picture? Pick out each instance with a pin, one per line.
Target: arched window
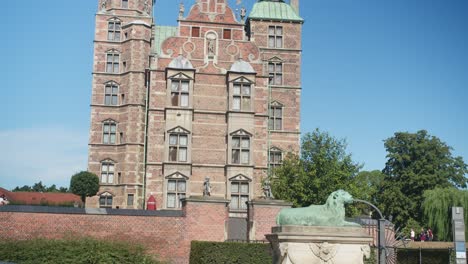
(114, 29)
(109, 131)
(111, 94)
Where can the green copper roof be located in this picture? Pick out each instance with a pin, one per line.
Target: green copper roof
(161, 33)
(274, 11)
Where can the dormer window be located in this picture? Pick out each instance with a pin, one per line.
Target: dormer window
(275, 37)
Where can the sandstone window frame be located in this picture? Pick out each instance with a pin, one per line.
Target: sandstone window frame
(114, 30)
(109, 132)
(106, 200)
(176, 187)
(239, 153)
(178, 152)
(113, 61)
(181, 78)
(275, 36)
(275, 158)
(275, 116)
(275, 70)
(107, 175)
(130, 199)
(239, 192)
(241, 92)
(111, 93)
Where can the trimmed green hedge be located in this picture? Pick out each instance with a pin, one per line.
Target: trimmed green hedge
(229, 253)
(72, 251)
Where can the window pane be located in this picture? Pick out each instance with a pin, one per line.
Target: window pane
(111, 26)
(130, 200)
(236, 103)
(271, 67)
(182, 154)
(107, 100)
(279, 42)
(110, 178)
(175, 99)
(278, 112)
(235, 156)
(234, 187)
(243, 202)
(116, 58)
(113, 128)
(110, 35)
(270, 124)
(279, 31)
(116, 68)
(278, 124)
(183, 141)
(234, 202)
(114, 100)
(105, 139)
(171, 186)
(245, 157)
(111, 168)
(246, 90)
(184, 100)
(125, 3)
(236, 142)
(181, 196)
(171, 200)
(175, 86)
(112, 139)
(279, 67)
(115, 89)
(245, 143)
(117, 26)
(108, 89)
(109, 201)
(173, 140)
(104, 178)
(181, 185)
(172, 154)
(117, 36)
(185, 86)
(271, 42)
(104, 167)
(271, 30)
(109, 67)
(246, 103)
(237, 89)
(102, 201)
(109, 57)
(279, 79)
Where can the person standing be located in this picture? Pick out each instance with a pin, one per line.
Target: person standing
(430, 235)
(422, 235)
(412, 234)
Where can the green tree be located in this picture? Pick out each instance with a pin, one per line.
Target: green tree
(416, 162)
(437, 210)
(25, 188)
(323, 167)
(84, 184)
(39, 187)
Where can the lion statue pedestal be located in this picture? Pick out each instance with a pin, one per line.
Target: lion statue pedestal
(319, 234)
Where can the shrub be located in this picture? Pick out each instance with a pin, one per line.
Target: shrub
(229, 253)
(72, 251)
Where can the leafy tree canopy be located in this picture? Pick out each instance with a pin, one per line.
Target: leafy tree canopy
(40, 187)
(84, 184)
(416, 162)
(323, 167)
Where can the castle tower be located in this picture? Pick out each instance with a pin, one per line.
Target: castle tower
(116, 144)
(216, 97)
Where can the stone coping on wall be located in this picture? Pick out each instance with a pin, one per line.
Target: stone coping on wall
(88, 211)
(205, 199)
(269, 202)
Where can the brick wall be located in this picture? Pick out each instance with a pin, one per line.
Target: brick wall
(262, 217)
(167, 234)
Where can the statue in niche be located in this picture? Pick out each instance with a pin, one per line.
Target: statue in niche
(211, 48)
(181, 10)
(207, 187)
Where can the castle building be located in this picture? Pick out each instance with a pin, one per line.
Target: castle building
(216, 98)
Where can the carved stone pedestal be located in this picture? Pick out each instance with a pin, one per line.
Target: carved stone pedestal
(316, 244)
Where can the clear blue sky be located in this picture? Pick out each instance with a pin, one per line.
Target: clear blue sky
(370, 68)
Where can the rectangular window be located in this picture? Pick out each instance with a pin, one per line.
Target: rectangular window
(124, 3)
(178, 147)
(195, 32)
(275, 71)
(109, 131)
(113, 30)
(176, 190)
(239, 195)
(241, 99)
(111, 94)
(241, 150)
(130, 200)
(275, 37)
(180, 93)
(276, 159)
(107, 173)
(105, 201)
(112, 65)
(227, 34)
(276, 118)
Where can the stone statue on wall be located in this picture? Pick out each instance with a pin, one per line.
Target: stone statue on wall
(267, 194)
(147, 7)
(243, 13)
(332, 213)
(181, 10)
(207, 187)
(103, 5)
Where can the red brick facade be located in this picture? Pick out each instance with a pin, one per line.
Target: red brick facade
(147, 138)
